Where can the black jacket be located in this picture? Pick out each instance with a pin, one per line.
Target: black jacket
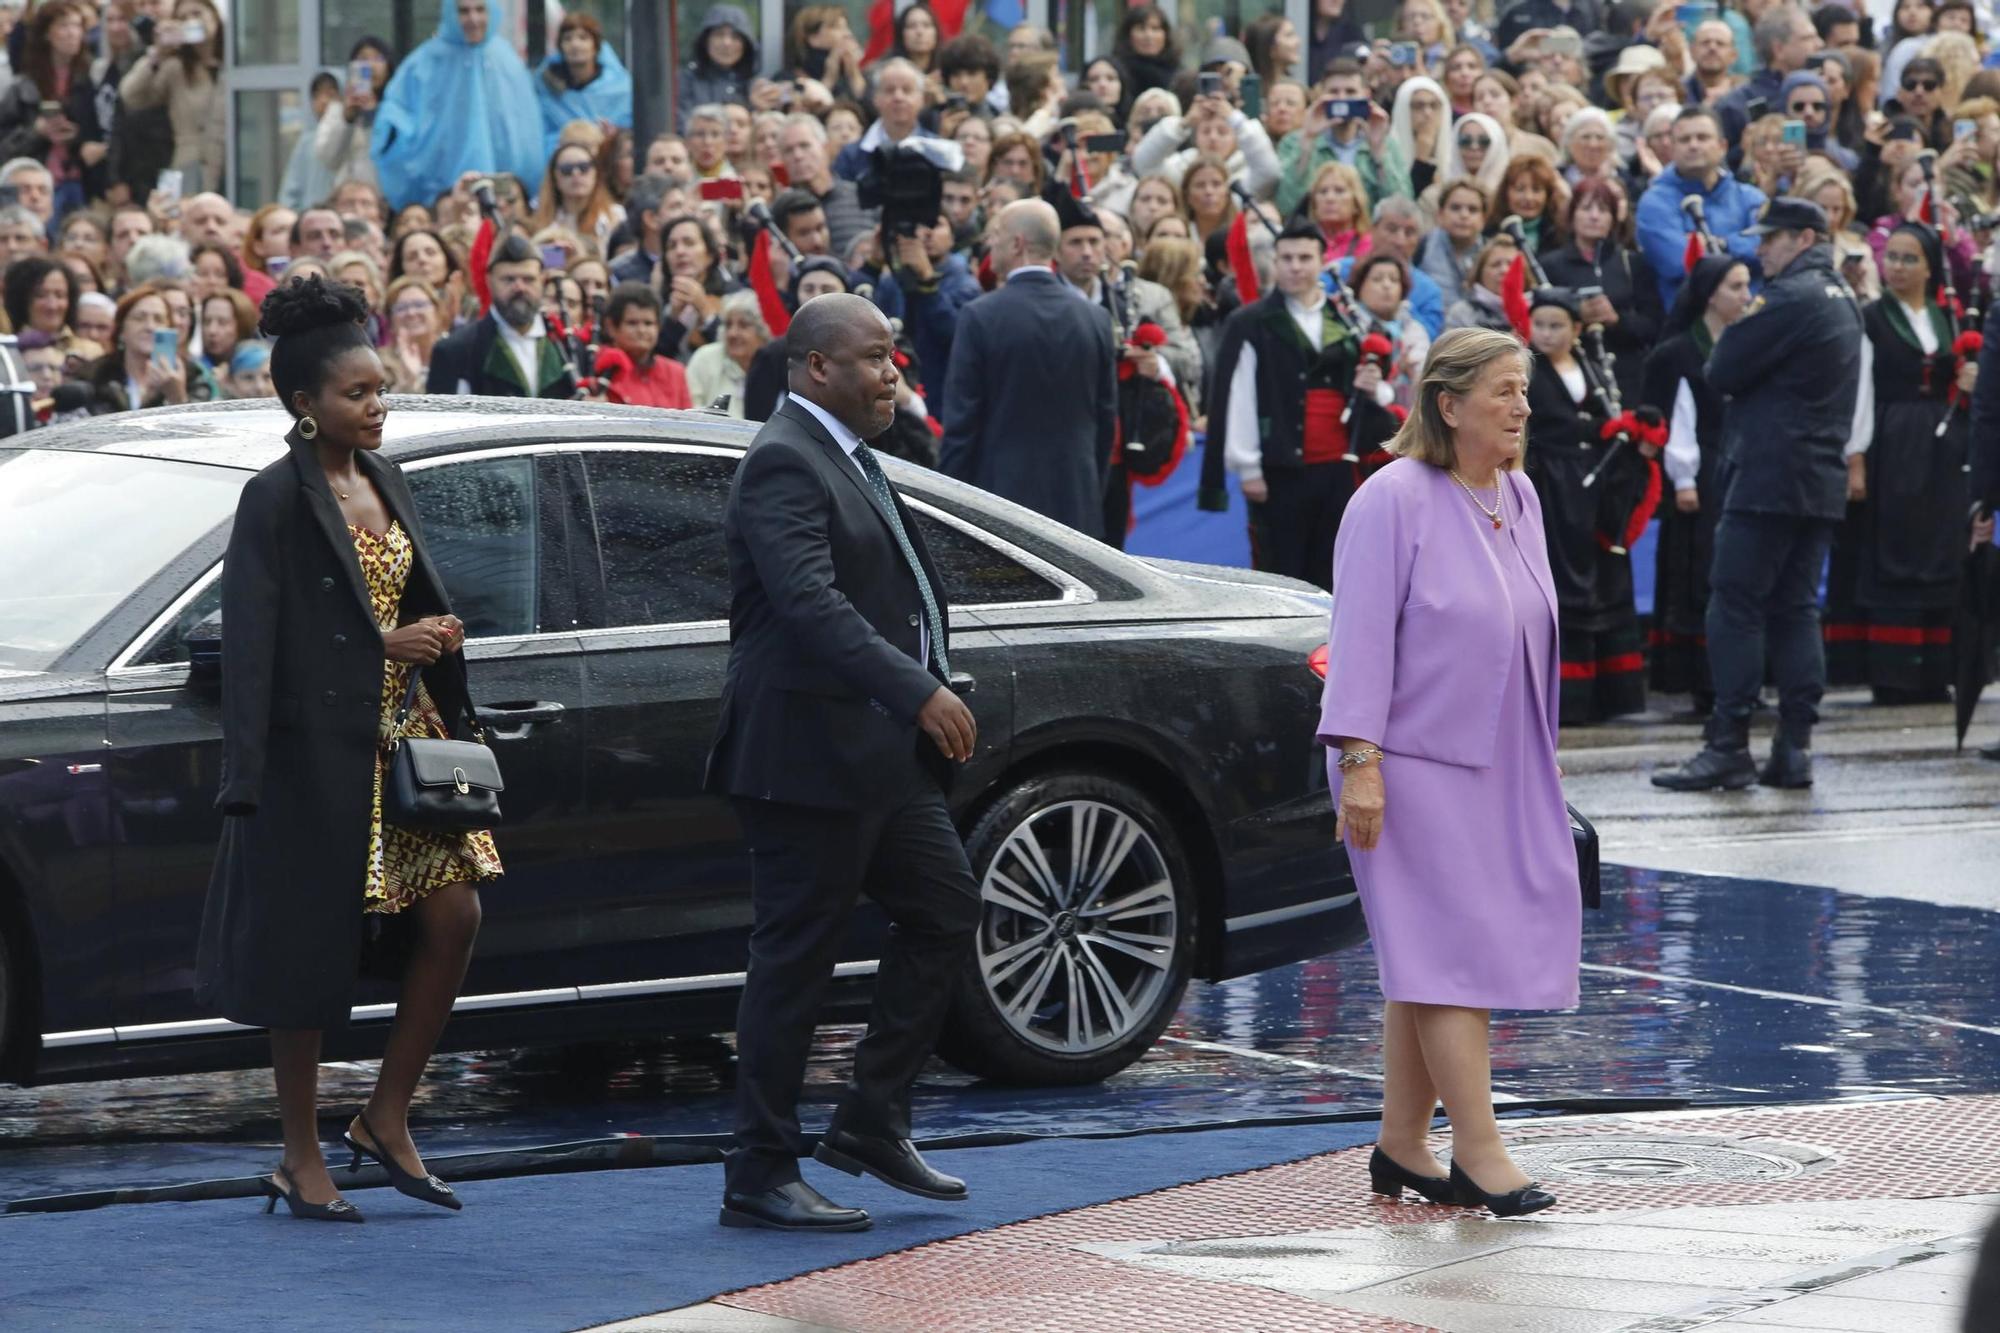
(475, 354)
(1983, 447)
(1634, 292)
(302, 666)
(1789, 369)
(1031, 399)
(20, 107)
(820, 702)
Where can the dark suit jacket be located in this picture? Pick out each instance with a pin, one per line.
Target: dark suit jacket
(476, 355)
(301, 705)
(1031, 400)
(820, 702)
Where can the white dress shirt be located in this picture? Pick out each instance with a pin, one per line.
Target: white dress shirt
(849, 442)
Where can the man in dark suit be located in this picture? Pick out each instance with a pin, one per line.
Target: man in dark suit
(507, 352)
(835, 743)
(1031, 397)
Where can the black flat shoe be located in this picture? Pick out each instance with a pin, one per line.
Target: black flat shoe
(894, 1162)
(794, 1207)
(427, 1188)
(1516, 1203)
(1388, 1177)
(340, 1210)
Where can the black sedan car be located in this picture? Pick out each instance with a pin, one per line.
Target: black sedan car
(1147, 802)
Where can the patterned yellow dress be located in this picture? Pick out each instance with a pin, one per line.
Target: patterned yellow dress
(407, 865)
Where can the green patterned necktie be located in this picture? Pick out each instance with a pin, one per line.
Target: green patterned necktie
(879, 483)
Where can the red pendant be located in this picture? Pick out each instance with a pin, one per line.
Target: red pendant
(1496, 525)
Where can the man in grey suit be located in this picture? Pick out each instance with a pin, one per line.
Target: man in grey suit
(1031, 397)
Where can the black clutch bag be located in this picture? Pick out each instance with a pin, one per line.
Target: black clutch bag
(1588, 873)
(444, 786)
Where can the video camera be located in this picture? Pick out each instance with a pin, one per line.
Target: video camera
(907, 185)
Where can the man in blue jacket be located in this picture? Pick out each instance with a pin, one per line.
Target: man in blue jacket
(1730, 207)
(1789, 369)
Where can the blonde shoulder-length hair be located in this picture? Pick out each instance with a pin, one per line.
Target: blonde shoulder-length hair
(1457, 359)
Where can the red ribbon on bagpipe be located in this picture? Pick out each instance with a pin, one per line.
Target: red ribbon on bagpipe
(1152, 338)
(1643, 428)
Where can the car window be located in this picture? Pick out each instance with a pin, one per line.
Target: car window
(79, 532)
(976, 573)
(479, 528)
(659, 534)
(170, 646)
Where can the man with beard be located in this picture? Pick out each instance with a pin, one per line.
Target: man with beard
(507, 352)
(838, 735)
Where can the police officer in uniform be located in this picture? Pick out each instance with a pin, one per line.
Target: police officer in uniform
(1790, 369)
(1983, 479)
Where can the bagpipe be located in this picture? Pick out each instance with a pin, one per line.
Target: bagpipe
(1153, 423)
(770, 302)
(581, 348)
(1963, 323)
(1642, 429)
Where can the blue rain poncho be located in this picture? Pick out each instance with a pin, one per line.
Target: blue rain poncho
(453, 108)
(608, 97)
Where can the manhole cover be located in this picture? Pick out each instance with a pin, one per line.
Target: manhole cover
(1666, 1159)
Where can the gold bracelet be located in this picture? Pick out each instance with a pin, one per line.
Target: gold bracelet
(1359, 758)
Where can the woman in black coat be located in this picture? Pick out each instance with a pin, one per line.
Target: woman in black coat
(1714, 296)
(1596, 256)
(328, 602)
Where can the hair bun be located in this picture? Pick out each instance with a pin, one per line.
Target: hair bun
(311, 302)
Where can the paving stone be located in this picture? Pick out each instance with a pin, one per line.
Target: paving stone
(1926, 1287)
(1802, 1251)
(711, 1317)
(1832, 1313)
(1470, 1317)
(1491, 1286)
(1685, 1269)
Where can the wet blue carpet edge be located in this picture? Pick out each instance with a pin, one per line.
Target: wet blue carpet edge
(551, 1252)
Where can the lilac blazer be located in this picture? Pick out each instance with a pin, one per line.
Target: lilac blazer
(1423, 627)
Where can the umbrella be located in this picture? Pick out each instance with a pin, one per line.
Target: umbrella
(1975, 632)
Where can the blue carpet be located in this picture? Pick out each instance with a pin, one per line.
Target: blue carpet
(551, 1252)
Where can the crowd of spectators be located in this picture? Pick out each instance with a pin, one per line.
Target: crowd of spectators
(641, 272)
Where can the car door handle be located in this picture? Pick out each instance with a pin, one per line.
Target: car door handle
(510, 722)
(962, 683)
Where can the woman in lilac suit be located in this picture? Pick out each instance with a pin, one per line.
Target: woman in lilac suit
(1441, 690)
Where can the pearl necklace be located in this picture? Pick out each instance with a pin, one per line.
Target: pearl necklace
(1499, 505)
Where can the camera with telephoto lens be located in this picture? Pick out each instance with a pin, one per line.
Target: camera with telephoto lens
(907, 187)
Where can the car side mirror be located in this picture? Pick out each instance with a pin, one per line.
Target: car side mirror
(204, 648)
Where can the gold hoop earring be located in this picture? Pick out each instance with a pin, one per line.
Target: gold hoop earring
(308, 428)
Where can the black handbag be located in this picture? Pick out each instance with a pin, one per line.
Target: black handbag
(1589, 874)
(443, 786)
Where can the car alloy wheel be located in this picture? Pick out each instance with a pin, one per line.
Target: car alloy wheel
(1081, 927)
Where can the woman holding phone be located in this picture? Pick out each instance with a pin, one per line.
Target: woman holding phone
(49, 112)
(183, 72)
(148, 366)
(340, 142)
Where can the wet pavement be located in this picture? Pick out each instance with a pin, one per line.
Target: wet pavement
(1716, 991)
(1894, 810)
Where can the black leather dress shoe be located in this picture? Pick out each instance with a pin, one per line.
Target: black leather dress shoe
(892, 1161)
(1711, 770)
(1790, 767)
(794, 1207)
